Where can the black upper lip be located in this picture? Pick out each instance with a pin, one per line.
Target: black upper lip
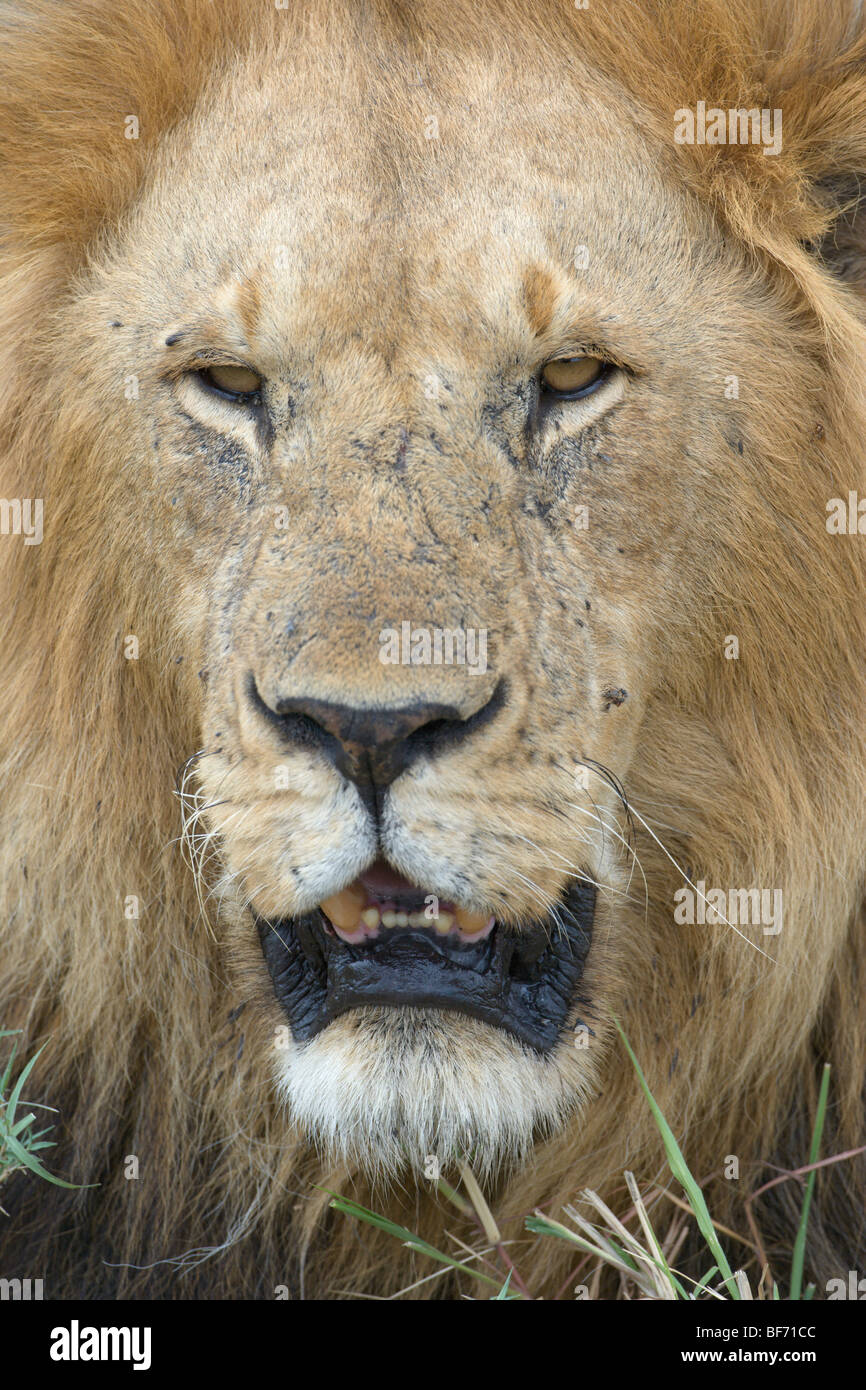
(524, 982)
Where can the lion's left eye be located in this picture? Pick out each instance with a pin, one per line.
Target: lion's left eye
(568, 378)
(238, 383)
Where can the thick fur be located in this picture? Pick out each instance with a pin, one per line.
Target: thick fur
(283, 201)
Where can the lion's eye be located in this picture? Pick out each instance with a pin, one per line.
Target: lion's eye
(570, 377)
(237, 382)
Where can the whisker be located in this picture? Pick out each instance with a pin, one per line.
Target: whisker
(632, 811)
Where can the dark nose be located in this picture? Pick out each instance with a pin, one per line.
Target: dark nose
(371, 747)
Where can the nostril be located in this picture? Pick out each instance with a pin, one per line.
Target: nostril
(440, 733)
(372, 746)
(296, 726)
(352, 727)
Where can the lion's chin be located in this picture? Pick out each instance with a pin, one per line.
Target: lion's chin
(371, 945)
(387, 1090)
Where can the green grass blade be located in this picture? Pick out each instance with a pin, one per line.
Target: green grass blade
(15, 1097)
(16, 1129)
(7, 1071)
(454, 1197)
(702, 1283)
(682, 1173)
(542, 1226)
(800, 1243)
(17, 1144)
(28, 1161)
(401, 1233)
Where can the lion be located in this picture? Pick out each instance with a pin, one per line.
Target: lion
(443, 638)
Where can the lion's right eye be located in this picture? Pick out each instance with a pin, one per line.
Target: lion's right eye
(571, 377)
(237, 383)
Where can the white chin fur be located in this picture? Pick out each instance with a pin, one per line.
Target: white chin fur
(388, 1090)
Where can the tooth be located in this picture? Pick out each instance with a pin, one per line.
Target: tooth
(344, 908)
(370, 917)
(402, 919)
(444, 922)
(389, 919)
(417, 919)
(471, 923)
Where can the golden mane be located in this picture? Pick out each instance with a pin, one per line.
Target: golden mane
(151, 1051)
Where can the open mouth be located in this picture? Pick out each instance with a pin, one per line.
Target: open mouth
(384, 941)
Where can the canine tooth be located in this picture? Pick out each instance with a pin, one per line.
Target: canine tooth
(370, 917)
(344, 908)
(389, 919)
(444, 922)
(471, 923)
(401, 919)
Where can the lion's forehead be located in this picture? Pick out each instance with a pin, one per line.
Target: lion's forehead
(374, 197)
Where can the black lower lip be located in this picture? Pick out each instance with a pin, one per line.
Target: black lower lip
(526, 983)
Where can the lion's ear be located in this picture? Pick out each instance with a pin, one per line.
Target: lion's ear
(812, 197)
(796, 192)
(842, 247)
(819, 82)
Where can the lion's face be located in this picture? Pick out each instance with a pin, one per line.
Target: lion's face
(425, 452)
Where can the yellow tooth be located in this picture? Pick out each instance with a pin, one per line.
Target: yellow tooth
(402, 919)
(443, 923)
(389, 919)
(344, 908)
(370, 917)
(470, 923)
